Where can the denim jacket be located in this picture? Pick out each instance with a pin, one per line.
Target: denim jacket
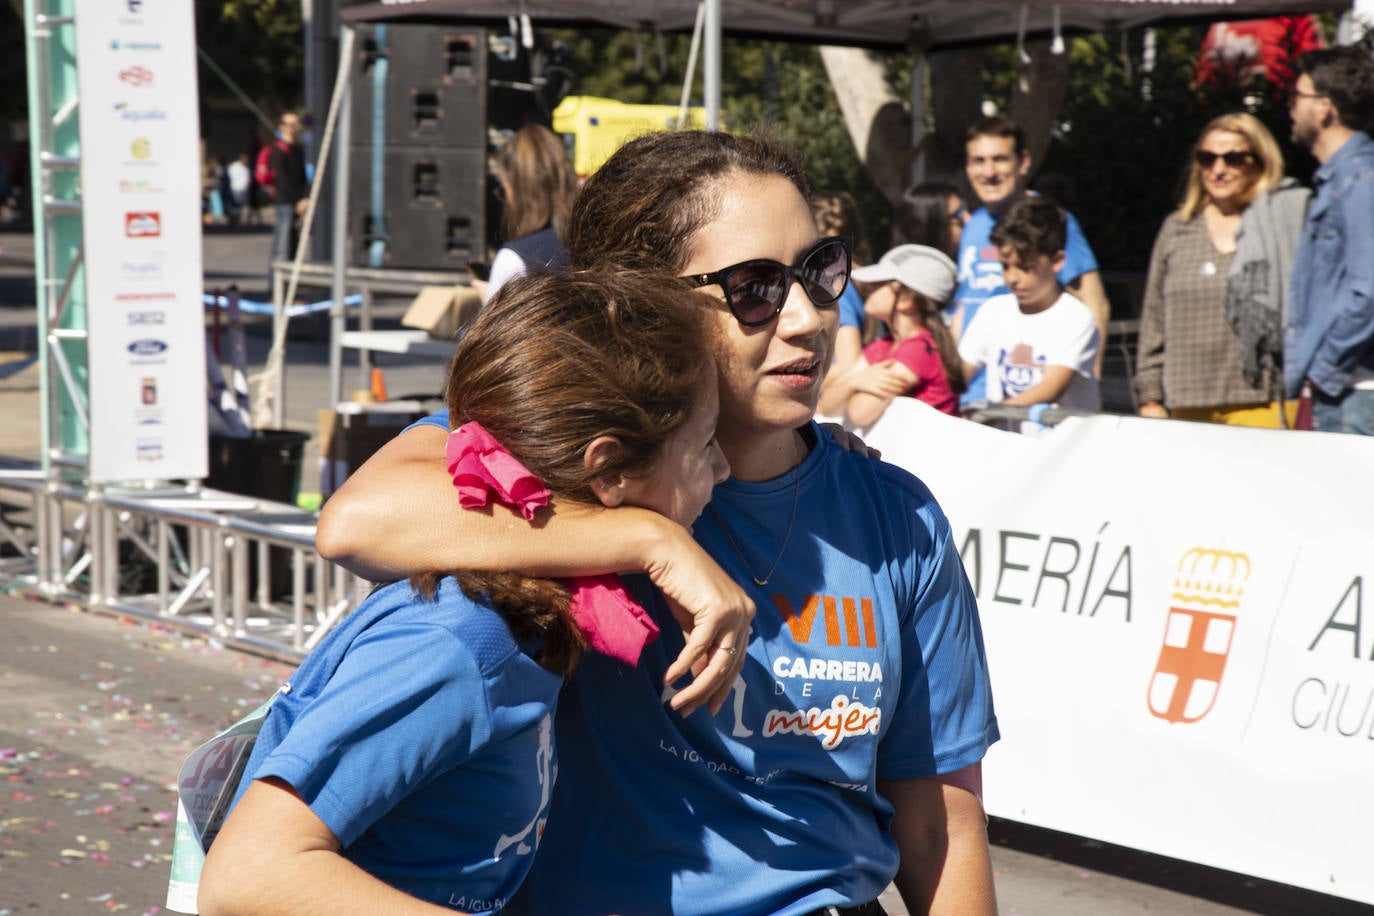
(1329, 329)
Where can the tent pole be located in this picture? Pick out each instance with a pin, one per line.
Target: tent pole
(338, 312)
(919, 114)
(691, 77)
(711, 70)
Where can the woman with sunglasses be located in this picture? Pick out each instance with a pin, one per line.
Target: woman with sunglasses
(848, 753)
(1239, 218)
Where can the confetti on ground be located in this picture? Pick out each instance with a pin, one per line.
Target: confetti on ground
(88, 768)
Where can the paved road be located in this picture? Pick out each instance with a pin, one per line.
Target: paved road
(96, 713)
(95, 716)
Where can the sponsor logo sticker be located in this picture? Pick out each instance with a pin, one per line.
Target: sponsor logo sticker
(140, 186)
(127, 112)
(147, 346)
(144, 270)
(144, 224)
(137, 76)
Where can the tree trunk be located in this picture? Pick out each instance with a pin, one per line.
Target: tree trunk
(876, 116)
(1038, 93)
(956, 97)
(880, 125)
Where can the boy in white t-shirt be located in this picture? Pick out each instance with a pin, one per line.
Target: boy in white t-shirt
(1038, 343)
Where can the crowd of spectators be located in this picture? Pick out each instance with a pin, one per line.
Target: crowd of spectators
(1259, 301)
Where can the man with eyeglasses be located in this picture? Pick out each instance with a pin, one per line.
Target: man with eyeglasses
(998, 165)
(1329, 328)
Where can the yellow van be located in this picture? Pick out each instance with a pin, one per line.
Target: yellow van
(595, 128)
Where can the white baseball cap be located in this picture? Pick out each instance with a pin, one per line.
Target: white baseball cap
(926, 270)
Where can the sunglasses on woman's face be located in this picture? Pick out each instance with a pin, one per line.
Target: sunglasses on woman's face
(756, 290)
(1234, 159)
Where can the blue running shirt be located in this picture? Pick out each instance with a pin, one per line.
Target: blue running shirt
(866, 663)
(422, 735)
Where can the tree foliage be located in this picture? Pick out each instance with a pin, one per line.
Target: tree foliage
(14, 104)
(1119, 153)
(259, 44)
(778, 86)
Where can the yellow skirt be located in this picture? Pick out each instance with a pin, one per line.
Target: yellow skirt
(1264, 416)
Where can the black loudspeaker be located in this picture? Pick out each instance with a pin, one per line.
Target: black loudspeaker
(431, 83)
(434, 205)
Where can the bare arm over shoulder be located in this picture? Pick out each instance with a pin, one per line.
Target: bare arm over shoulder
(399, 514)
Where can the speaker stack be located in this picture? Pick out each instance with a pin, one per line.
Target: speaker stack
(420, 196)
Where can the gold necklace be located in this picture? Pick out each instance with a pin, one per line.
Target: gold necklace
(796, 491)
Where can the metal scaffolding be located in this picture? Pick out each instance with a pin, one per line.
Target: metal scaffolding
(241, 569)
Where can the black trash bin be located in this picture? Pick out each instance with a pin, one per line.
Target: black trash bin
(266, 465)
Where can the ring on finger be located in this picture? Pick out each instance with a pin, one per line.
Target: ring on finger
(730, 649)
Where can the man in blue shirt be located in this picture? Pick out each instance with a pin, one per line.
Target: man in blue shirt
(998, 164)
(1329, 329)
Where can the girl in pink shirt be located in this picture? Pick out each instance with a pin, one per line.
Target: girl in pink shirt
(920, 358)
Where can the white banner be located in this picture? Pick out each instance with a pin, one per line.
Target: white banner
(140, 195)
(1174, 623)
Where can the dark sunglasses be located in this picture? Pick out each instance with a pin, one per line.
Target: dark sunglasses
(756, 290)
(1233, 159)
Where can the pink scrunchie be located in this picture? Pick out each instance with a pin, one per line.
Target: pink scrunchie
(483, 471)
(613, 622)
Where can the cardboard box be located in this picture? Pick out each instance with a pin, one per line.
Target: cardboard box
(441, 311)
(349, 434)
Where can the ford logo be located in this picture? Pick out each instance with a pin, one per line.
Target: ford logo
(147, 347)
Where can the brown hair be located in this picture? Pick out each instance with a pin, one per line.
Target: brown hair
(537, 180)
(1345, 76)
(997, 126)
(550, 364)
(932, 316)
(836, 214)
(1032, 226)
(922, 217)
(1262, 145)
(644, 205)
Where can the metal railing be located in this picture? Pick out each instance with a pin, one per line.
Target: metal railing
(239, 569)
(987, 414)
